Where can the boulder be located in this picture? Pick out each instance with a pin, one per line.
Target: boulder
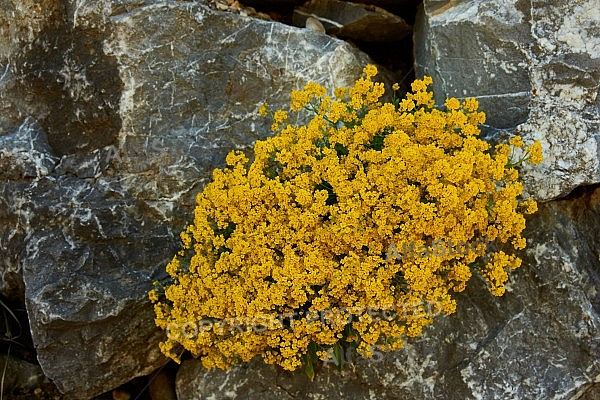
(24, 155)
(534, 67)
(540, 340)
(139, 101)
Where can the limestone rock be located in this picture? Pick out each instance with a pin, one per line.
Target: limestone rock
(24, 155)
(266, 382)
(535, 69)
(139, 101)
(540, 340)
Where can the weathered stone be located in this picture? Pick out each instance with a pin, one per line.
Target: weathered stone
(140, 101)
(314, 24)
(540, 340)
(92, 251)
(113, 115)
(535, 68)
(24, 155)
(266, 382)
(354, 21)
(19, 375)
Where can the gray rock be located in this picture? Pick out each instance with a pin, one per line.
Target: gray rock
(140, 101)
(24, 155)
(19, 375)
(535, 69)
(266, 382)
(354, 21)
(541, 340)
(90, 256)
(476, 49)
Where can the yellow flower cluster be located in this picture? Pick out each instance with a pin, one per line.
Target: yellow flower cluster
(287, 254)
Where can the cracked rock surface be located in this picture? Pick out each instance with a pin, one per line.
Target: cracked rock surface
(114, 114)
(534, 66)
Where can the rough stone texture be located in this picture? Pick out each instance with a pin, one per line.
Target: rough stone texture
(24, 155)
(540, 341)
(19, 375)
(533, 65)
(139, 101)
(114, 113)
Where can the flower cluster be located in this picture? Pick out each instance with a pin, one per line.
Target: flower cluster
(304, 227)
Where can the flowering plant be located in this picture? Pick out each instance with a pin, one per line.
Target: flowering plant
(288, 256)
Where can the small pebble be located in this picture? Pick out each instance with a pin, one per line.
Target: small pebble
(118, 394)
(314, 25)
(222, 7)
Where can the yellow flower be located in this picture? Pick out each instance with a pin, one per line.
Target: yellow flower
(535, 153)
(370, 71)
(338, 221)
(299, 99)
(418, 86)
(153, 296)
(340, 93)
(452, 104)
(314, 89)
(530, 206)
(264, 109)
(280, 116)
(470, 104)
(517, 141)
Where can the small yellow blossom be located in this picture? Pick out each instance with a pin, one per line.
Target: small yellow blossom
(517, 141)
(340, 93)
(153, 295)
(299, 100)
(370, 70)
(470, 104)
(280, 116)
(535, 153)
(452, 104)
(418, 86)
(264, 109)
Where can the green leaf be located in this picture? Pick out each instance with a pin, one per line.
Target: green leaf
(339, 359)
(341, 150)
(308, 367)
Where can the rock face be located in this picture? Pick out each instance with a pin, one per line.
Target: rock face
(24, 155)
(113, 116)
(540, 341)
(534, 66)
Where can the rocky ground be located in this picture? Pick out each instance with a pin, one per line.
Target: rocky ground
(25, 378)
(114, 113)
